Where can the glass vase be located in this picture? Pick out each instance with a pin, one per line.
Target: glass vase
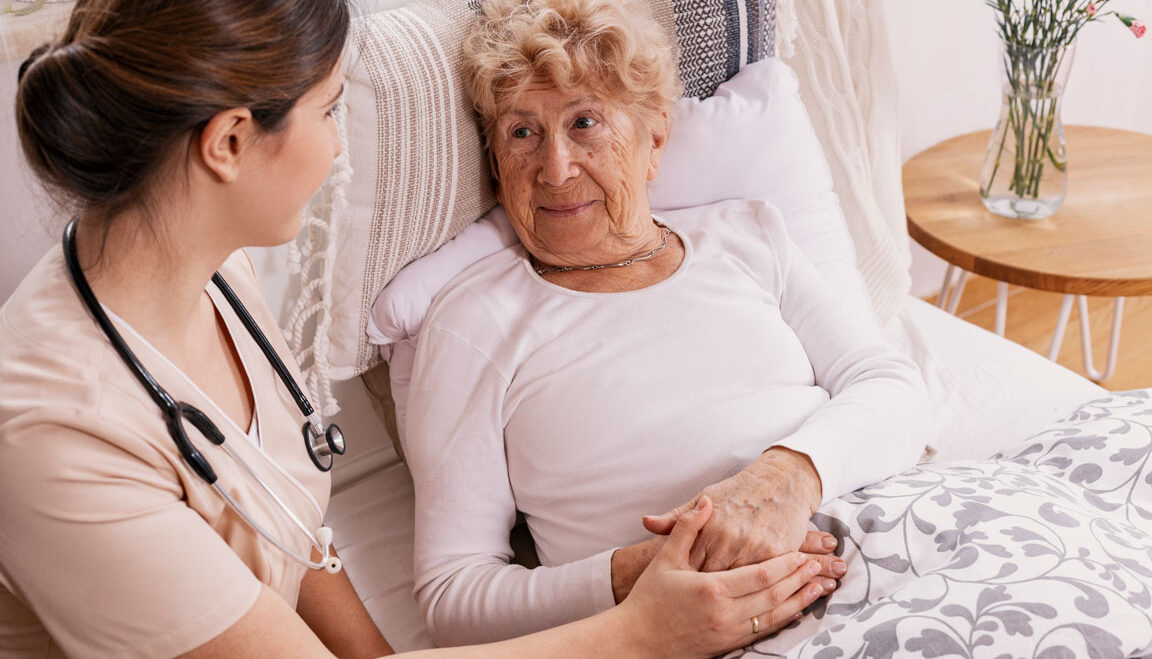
(1025, 173)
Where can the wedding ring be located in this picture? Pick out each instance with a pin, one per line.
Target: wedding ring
(755, 624)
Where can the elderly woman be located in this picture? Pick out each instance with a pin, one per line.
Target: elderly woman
(616, 364)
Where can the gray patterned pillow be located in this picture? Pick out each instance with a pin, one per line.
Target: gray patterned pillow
(413, 173)
(1043, 551)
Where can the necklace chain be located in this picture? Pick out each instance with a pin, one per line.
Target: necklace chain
(544, 270)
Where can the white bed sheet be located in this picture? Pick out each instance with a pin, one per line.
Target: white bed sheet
(987, 394)
(372, 521)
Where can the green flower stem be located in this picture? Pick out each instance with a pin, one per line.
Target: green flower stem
(1032, 101)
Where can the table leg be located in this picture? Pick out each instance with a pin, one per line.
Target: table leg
(1061, 325)
(957, 291)
(942, 296)
(943, 299)
(1001, 307)
(1113, 341)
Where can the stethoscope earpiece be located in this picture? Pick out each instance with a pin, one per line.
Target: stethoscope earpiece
(324, 537)
(332, 564)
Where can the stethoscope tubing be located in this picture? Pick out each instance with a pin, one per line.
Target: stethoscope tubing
(325, 563)
(268, 490)
(175, 413)
(265, 346)
(157, 393)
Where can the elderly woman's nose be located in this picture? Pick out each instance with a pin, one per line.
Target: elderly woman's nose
(558, 165)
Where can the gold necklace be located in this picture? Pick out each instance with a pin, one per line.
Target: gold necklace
(547, 269)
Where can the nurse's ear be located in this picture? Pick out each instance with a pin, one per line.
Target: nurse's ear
(224, 140)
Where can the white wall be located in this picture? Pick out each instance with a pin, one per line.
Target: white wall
(27, 225)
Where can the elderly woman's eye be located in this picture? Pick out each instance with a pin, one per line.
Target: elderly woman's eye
(521, 132)
(584, 122)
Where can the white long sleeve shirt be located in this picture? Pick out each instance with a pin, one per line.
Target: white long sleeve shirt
(586, 411)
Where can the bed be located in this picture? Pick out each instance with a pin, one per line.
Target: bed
(935, 567)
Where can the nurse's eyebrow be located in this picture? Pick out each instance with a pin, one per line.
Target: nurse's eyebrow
(337, 96)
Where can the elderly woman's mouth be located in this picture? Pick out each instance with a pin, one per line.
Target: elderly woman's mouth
(565, 210)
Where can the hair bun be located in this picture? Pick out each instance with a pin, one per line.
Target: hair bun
(32, 58)
(104, 109)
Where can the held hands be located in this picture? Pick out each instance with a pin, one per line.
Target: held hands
(761, 512)
(684, 612)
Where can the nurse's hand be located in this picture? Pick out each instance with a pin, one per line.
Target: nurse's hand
(761, 512)
(628, 563)
(685, 612)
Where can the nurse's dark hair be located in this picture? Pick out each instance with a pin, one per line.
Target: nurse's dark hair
(101, 111)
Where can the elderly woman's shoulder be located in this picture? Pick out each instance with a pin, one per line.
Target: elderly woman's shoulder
(495, 288)
(732, 212)
(757, 220)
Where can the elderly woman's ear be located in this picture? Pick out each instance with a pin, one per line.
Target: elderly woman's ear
(659, 138)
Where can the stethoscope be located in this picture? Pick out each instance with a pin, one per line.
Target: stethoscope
(320, 444)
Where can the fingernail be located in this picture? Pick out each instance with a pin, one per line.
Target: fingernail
(815, 590)
(699, 504)
(839, 568)
(813, 567)
(829, 542)
(829, 584)
(799, 560)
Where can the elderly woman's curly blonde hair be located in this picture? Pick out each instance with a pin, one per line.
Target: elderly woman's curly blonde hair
(613, 47)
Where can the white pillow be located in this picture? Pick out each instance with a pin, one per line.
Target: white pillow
(399, 310)
(752, 139)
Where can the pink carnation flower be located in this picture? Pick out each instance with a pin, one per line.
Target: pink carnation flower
(1131, 23)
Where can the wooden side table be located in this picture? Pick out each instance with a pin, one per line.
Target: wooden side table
(1099, 243)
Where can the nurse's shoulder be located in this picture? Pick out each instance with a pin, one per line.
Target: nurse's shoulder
(58, 369)
(51, 353)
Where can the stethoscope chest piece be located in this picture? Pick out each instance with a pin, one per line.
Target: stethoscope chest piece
(322, 445)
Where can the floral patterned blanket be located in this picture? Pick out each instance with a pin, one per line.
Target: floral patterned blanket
(1041, 551)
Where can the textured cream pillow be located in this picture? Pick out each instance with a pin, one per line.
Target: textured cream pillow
(413, 173)
(839, 51)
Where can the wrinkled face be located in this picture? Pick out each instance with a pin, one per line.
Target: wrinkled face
(574, 169)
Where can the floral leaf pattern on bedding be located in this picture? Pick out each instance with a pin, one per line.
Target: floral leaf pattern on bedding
(1042, 551)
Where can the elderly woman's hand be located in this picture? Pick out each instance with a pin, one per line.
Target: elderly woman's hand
(761, 512)
(684, 612)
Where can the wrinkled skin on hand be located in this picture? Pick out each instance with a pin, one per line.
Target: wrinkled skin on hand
(675, 610)
(759, 513)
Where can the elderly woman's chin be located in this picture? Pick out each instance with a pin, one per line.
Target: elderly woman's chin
(552, 235)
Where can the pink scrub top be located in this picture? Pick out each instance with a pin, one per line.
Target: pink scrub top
(109, 544)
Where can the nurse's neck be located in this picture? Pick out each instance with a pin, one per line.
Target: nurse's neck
(151, 267)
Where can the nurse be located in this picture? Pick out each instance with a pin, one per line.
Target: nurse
(178, 133)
